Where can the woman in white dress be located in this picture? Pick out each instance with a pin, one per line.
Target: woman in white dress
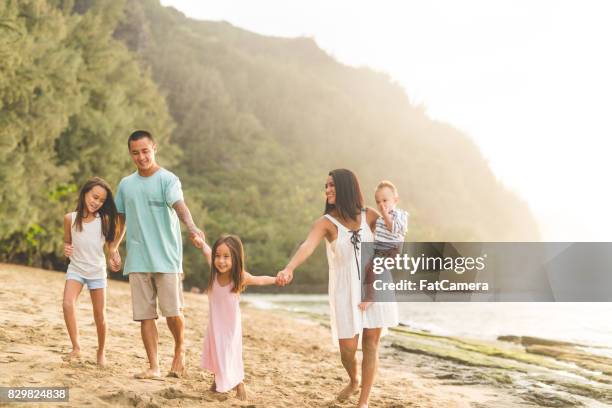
(345, 224)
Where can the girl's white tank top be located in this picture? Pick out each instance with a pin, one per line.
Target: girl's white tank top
(88, 258)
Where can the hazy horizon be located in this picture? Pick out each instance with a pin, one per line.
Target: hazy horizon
(527, 81)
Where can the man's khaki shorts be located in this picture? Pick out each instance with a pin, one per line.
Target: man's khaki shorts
(148, 287)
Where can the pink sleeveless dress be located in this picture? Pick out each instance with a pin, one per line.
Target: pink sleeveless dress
(222, 353)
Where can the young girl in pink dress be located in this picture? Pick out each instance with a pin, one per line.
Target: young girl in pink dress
(222, 352)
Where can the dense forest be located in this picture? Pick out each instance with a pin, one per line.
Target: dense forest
(251, 124)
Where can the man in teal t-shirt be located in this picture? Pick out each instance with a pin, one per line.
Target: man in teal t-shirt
(150, 204)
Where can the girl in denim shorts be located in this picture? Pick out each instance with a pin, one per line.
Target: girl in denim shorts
(86, 231)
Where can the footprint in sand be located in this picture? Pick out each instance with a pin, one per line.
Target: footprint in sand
(315, 396)
(76, 364)
(173, 393)
(207, 397)
(130, 398)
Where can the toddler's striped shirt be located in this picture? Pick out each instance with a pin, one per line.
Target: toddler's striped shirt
(384, 238)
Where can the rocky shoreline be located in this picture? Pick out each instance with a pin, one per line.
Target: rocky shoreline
(522, 370)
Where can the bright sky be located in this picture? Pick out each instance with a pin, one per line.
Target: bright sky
(529, 81)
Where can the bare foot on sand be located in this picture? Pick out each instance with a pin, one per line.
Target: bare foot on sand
(149, 374)
(75, 354)
(347, 391)
(178, 364)
(101, 359)
(241, 392)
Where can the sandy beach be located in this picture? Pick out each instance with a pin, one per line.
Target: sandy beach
(289, 359)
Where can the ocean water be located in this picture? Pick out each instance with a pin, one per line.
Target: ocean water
(589, 324)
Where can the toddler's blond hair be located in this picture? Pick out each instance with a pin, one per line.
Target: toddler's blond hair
(389, 185)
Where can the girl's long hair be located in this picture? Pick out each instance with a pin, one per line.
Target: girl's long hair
(108, 211)
(237, 252)
(349, 200)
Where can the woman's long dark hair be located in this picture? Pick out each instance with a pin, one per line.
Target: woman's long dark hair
(108, 211)
(349, 200)
(237, 252)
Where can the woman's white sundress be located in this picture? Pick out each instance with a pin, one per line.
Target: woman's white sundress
(347, 319)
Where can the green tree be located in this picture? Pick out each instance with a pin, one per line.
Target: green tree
(69, 96)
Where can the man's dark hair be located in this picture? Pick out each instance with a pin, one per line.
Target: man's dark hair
(140, 134)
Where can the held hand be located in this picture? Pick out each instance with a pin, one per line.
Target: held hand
(68, 250)
(364, 305)
(198, 242)
(115, 261)
(197, 238)
(284, 277)
(281, 280)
